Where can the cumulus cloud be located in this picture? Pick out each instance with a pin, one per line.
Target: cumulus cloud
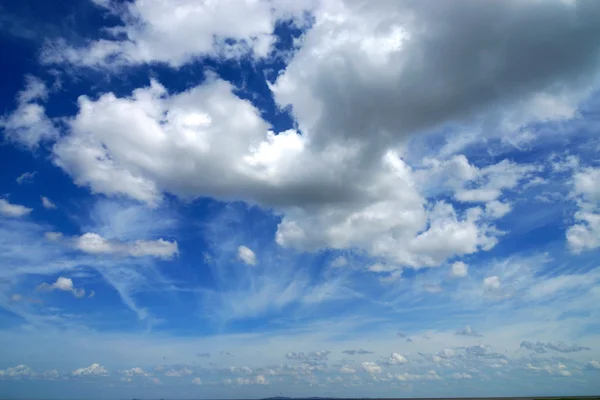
(468, 331)
(397, 358)
(595, 365)
(246, 255)
(197, 381)
(178, 372)
(28, 125)
(48, 204)
(62, 284)
(371, 367)
(93, 243)
(585, 234)
(459, 269)
(94, 369)
(134, 372)
(492, 283)
(158, 31)
(347, 370)
(459, 375)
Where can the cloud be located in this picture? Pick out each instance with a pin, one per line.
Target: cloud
(359, 352)
(48, 204)
(135, 371)
(541, 348)
(459, 269)
(28, 125)
(93, 243)
(459, 375)
(397, 358)
(371, 367)
(178, 372)
(492, 283)
(340, 261)
(594, 365)
(246, 255)
(197, 381)
(203, 355)
(94, 369)
(63, 284)
(585, 234)
(560, 369)
(13, 210)
(53, 236)
(468, 331)
(312, 356)
(26, 177)
(347, 370)
(158, 32)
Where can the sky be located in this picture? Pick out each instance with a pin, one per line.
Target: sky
(252, 198)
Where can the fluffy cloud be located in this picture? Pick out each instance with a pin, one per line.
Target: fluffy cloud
(178, 372)
(63, 284)
(397, 358)
(459, 269)
(48, 204)
(197, 381)
(585, 234)
(312, 356)
(595, 365)
(93, 243)
(19, 370)
(13, 210)
(28, 125)
(159, 31)
(347, 370)
(94, 369)
(246, 255)
(371, 367)
(492, 283)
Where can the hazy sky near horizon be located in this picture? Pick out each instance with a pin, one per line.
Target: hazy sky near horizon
(242, 198)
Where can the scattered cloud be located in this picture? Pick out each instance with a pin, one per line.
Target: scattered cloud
(468, 331)
(48, 204)
(246, 255)
(26, 177)
(13, 210)
(92, 370)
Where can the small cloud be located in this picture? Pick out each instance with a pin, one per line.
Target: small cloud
(26, 177)
(246, 255)
(400, 334)
(459, 375)
(203, 355)
(459, 269)
(371, 367)
(359, 352)
(53, 236)
(397, 358)
(94, 369)
(93, 243)
(48, 204)
(176, 373)
(347, 370)
(468, 331)
(312, 356)
(197, 381)
(15, 298)
(492, 283)
(92, 294)
(593, 365)
(226, 353)
(13, 210)
(63, 284)
(340, 261)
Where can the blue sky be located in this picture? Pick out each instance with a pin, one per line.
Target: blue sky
(316, 198)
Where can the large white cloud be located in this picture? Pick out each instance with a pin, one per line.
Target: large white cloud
(160, 31)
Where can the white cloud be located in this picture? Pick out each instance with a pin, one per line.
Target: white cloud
(459, 269)
(340, 261)
(497, 209)
(18, 371)
(53, 236)
(159, 31)
(197, 381)
(371, 367)
(13, 210)
(593, 365)
(63, 284)
(397, 358)
(347, 370)
(93, 243)
(94, 369)
(458, 375)
(585, 234)
(492, 283)
(178, 372)
(468, 331)
(26, 177)
(48, 204)
(28, 124)
(429, 376)
(246, 255)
